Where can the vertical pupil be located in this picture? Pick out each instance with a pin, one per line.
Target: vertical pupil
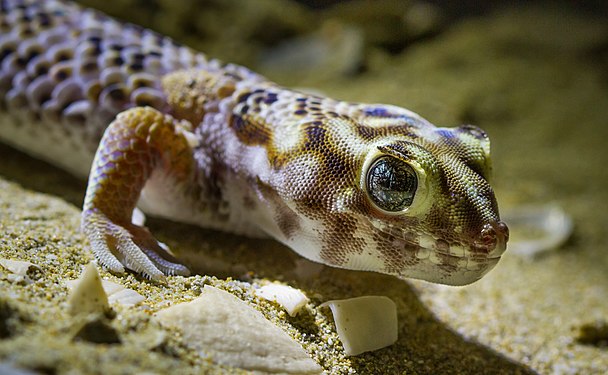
(391, 184)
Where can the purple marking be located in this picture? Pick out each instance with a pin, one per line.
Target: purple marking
(271, 97)
(243, 98)
(238, 123)
(384, 113)
(377, 112)
(446, 133)
(116, 155)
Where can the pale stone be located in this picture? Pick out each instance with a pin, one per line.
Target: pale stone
(231, 332)
(88, 295)
(536, 229)
(291, 299)
(115, 292)
(17, 267)
(365, 323)
(127, 297)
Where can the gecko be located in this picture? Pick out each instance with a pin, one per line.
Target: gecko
(157, 126)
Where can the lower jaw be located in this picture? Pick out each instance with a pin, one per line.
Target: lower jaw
(447, 274)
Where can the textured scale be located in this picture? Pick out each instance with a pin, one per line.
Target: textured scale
(161, 127)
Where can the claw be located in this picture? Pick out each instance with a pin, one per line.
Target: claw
(116, 247)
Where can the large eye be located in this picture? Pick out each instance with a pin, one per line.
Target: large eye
(391, 184)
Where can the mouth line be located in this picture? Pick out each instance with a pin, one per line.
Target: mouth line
(411, 241)
(478, 256)
(469, 256)
(450, 269)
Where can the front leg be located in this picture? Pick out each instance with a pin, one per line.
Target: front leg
(138, 142)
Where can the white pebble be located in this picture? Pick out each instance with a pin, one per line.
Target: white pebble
(127, 297)
(537, 229)
(365, 323)
(88, 295)
(116, 293)
(18, 267)
(291, 299)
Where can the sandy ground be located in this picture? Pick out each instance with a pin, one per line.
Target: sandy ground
(534, 78)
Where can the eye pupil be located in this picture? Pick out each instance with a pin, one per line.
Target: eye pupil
(391, 184)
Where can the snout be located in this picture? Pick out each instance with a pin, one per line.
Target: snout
(492, 239)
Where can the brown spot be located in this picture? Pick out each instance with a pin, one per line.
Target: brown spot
(288, 221)
(250, 131)
(369, 133)
(397, 254)
(339, 241)
(225, 90)
(316, 135)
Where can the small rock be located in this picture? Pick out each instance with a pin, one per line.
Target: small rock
(536, 229)
(88, 296)
(291, 299)
(116, 292)
(127, 297)
(233, 333)
(365, 323)
(17, 267)
(20, 271)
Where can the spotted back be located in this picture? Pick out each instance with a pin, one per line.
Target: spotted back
(67, 71)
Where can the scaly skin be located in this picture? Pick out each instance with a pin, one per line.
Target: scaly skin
(359, 186)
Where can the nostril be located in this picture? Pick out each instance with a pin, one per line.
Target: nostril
(488, 238)
(493, 238)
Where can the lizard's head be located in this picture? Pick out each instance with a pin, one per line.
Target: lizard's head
(393, 194)
(434, 214)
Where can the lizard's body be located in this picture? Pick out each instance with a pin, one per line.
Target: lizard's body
(360, 186)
